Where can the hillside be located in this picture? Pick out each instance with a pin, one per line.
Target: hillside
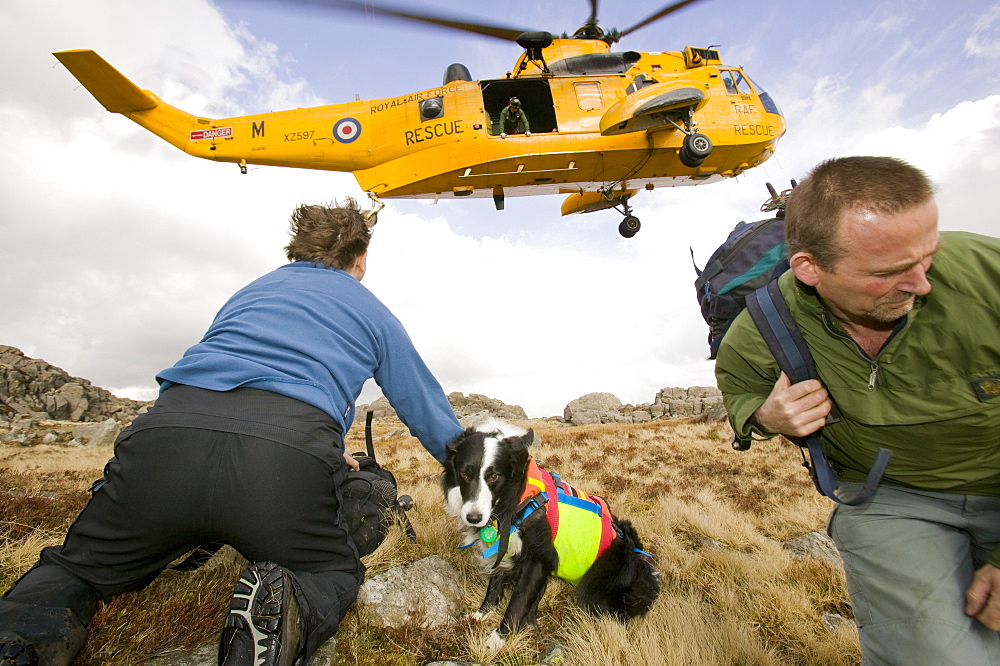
(725, 528)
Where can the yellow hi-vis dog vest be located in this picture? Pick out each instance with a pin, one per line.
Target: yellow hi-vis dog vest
(581, 524)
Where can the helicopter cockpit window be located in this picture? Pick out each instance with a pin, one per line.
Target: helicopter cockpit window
(736, 84)
(766, 100)
(588, 95)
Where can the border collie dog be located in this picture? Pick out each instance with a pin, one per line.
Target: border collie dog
(527, 523)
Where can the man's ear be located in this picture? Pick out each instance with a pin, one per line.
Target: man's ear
(805, 268)
(361, 262)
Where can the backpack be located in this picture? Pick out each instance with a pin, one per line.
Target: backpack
(370, 502)
(370, 506)
(752, 256)
(742, 273)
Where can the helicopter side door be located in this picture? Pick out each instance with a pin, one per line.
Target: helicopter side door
(536, 102)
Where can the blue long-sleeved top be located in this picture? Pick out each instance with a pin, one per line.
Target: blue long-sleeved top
(317, 335)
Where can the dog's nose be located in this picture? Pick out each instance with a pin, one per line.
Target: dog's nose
(474, 518)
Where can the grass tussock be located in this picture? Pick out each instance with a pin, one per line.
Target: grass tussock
(712, 517)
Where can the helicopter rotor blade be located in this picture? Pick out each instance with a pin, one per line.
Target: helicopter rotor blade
(593, 13)
(669, 9)
(497, 31)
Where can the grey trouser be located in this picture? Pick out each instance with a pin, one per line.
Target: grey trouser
(909, 557)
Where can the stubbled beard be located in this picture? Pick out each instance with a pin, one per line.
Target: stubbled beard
(887, 313)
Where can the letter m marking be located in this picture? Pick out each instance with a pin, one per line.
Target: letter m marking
(258, 130)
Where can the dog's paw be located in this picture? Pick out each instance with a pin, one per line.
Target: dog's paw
(478, 616)
(495, 641)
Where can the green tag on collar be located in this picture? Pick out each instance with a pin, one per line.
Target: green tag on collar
(488, 533)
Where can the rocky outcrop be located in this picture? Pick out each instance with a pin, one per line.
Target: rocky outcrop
(593, 408)
(479, 405)
(670, 403)
(33, 388)
(475, 405)
(27, 431)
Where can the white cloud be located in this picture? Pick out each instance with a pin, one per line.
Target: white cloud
(118, 249)
(985, 38)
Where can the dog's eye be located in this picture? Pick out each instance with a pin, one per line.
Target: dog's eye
(465, 476)
(492, 478)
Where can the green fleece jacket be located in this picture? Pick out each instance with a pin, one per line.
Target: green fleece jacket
(932, 395)
(510, 121)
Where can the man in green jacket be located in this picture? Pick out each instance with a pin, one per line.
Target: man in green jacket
(513, 119)
(903, 323)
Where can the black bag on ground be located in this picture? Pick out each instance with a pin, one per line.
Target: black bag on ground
(371, 503)
(752, 256)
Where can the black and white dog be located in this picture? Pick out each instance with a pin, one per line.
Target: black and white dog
(528, 523)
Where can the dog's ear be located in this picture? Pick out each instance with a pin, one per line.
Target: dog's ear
(452, 446)
(525, 441)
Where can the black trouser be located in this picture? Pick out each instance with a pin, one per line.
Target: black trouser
(170, 489)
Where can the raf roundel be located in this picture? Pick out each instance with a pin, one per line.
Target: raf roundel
(347, 130)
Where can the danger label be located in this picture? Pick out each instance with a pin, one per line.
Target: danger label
(214, 133)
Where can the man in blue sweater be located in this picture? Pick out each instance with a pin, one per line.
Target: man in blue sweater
(244, 446)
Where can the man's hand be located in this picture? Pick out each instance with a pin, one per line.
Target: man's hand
(794, 410)
(527, 134)
(982, 599)
(503, 135)
(352, 462)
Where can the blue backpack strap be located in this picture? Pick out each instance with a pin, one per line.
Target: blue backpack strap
(774, 320)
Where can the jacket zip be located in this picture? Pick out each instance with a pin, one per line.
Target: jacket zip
(872, 362)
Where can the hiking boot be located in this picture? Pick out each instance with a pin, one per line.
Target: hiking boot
(264, 626)
(15, 651)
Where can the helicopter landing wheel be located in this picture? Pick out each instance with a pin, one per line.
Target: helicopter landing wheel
(629, 226)
(695, 149)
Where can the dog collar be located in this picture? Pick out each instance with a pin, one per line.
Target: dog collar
(531, 505)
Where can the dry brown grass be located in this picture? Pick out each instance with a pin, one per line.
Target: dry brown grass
(712, 517)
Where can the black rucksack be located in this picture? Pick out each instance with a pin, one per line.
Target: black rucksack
(752, 256)
(370, 503)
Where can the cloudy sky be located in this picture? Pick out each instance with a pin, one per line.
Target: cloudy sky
(116, 249)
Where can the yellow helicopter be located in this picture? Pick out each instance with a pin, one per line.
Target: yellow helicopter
(598, 125)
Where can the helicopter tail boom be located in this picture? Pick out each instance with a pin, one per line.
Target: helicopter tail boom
(118, 94)
(109, 86)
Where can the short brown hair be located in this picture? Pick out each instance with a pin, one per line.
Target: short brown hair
(334, 235)
(815, 208)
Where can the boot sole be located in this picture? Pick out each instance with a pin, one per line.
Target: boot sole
(258, 606)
